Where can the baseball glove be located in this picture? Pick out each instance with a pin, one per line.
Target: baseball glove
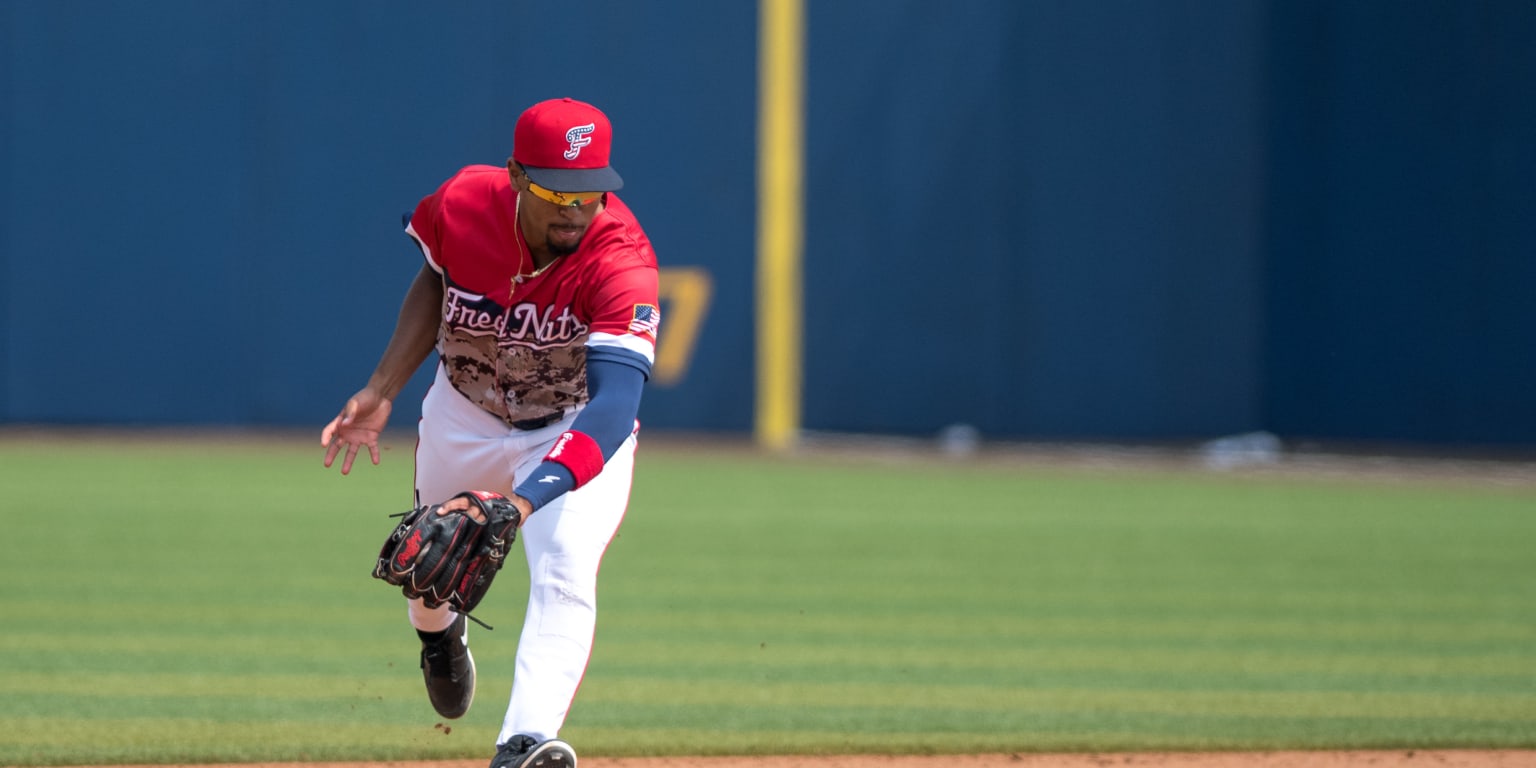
(451, 557)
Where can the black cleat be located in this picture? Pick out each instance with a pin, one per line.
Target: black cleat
(449, 672)
(525, 752)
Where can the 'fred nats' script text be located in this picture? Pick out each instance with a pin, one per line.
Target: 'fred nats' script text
(522, 324)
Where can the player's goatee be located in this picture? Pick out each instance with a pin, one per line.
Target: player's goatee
(557, 249)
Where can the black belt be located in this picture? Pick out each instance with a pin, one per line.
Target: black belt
(528, 425)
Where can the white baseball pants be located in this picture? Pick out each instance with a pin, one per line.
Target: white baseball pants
(462, 447)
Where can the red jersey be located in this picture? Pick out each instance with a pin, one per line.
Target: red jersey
(518, 347)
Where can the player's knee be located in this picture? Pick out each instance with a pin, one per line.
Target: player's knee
(568, 601)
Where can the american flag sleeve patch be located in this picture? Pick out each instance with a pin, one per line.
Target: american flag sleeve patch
(645, 319)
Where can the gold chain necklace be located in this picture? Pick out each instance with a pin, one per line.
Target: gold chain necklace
(522, 250)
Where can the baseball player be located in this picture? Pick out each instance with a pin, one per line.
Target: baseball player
(539, 294)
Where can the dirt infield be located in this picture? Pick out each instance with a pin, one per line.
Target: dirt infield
(1321, 759)
(1454, 759)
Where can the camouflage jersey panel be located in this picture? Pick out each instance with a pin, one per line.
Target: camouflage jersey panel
(514, 364)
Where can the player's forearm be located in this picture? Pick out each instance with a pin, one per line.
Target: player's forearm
(414, 337)
(600, 428)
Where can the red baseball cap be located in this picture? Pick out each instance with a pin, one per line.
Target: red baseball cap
(563, 145)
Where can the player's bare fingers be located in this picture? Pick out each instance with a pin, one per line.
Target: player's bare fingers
(348, 412)
(329, 432)
(373, 453)
(461, 504)
(351, 456)
(332, 447)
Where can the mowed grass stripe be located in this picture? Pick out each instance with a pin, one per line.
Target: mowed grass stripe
(854, 730)
(1037, 700)
(779, 604)
(149, 685)
(1208, 666)
(148, 739)
(252, 705)
(1047, 625)
(1173, 669)
(322, 696)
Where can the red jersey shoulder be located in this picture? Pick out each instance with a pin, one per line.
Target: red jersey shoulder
(469, 229)
(616, 235)
(618, 263)
(477, 188)
(476, 191)
(622, 278)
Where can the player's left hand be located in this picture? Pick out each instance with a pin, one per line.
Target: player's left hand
(358, 425)
(461, 503)
(450, 552)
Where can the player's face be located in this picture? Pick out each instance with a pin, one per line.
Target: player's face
(552, 225)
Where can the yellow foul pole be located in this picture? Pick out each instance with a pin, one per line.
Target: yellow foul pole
(780, 239)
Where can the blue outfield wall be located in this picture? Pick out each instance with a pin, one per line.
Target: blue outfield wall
(206, 196)
(1056, 231)
(1400, 240)
(1134, 219)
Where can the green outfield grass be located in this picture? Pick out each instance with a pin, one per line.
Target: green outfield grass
(209, 601)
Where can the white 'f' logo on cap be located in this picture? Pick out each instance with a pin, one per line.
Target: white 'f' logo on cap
(578, 137)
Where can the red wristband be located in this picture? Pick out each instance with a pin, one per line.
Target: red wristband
(578, 452)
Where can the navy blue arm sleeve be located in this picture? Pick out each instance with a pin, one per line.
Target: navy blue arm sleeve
(614, 385)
